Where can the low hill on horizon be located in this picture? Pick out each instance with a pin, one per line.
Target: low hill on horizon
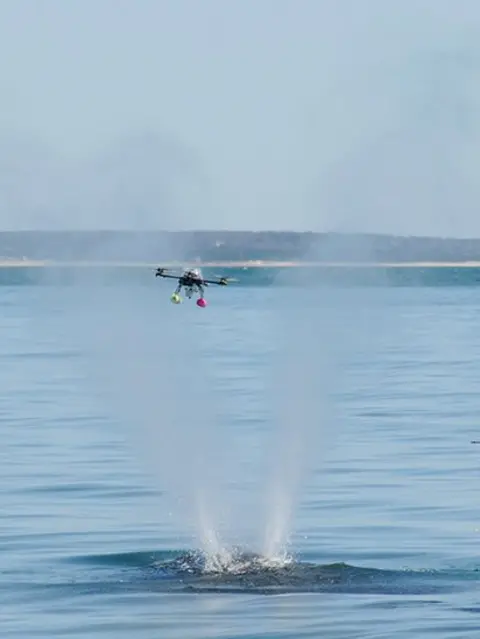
(157, 246)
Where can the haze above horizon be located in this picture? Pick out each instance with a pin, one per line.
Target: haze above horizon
(312, 115)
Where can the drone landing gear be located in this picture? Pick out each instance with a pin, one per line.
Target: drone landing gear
(176, 299)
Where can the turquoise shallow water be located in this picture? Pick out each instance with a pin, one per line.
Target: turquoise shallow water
(386, 529)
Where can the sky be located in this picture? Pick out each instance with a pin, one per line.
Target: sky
(319, 115)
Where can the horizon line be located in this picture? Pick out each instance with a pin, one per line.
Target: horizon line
(252, 231)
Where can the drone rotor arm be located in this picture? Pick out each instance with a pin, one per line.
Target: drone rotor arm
(222, 281)
(162, 272)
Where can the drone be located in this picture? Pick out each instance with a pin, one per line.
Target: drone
(193, 282)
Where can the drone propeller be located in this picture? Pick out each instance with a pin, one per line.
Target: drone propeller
(161, 271)
(224, 279)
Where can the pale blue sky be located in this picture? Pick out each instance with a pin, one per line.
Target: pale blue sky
(281, 114)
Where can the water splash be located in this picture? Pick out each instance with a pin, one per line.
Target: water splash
(318, 331)
(147, 363)
(299, 399)
(144, 367)
(235, 561)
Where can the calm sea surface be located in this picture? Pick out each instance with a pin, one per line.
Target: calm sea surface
(357, 407)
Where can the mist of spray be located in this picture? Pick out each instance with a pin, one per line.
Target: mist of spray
(149, 368)
(145, 366)
(320, 324)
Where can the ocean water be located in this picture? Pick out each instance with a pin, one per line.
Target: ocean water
(121, 413)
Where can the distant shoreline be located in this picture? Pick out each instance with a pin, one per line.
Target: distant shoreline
(234, 249)
(236, 264)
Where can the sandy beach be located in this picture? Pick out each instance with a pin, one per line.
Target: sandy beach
(243, 265)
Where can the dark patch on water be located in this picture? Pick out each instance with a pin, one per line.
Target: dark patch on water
(191, 572)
